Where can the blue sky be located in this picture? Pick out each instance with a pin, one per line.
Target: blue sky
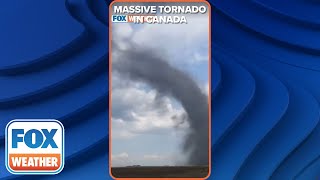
(135, 138)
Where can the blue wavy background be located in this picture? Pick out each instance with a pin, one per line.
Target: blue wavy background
(266, 92)
(54, 64)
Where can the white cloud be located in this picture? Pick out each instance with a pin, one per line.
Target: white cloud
(121, 159)
(198, 57)
(139, 111)
(172, 159)
(156, 159)
(121, 35)
(123, 155)
(205, 89)
(182, 43)
(153, 157)
(121, 129)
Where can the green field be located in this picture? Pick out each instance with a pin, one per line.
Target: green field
(160, 171)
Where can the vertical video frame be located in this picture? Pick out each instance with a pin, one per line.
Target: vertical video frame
(159, 89)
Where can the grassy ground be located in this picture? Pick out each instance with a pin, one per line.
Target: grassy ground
(160, 171)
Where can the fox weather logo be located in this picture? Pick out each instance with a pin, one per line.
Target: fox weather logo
(34, 146)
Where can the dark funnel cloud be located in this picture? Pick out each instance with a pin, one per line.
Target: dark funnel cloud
(151, 68)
